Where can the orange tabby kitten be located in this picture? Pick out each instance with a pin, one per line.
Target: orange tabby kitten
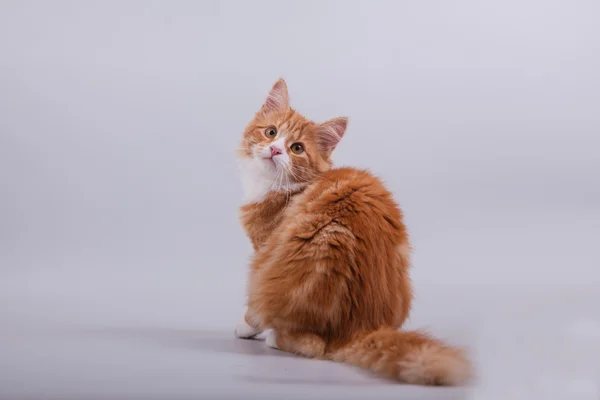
(330, 271)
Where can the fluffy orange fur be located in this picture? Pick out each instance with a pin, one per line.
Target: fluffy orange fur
(330, 273)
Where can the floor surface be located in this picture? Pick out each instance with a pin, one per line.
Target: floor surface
(55, 346)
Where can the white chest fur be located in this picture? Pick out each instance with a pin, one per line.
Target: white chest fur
(258, 179)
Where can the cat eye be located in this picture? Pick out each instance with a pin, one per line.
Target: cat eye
(297, 148)
(271, 132)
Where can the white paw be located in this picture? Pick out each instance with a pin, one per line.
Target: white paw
(271, 340)
(245, 331)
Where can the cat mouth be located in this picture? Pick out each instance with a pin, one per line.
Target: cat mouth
(270, 161)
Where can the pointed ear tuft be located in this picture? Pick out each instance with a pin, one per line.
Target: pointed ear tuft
(331, 132)
(278, 99)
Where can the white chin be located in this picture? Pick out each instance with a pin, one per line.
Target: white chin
(270, 163)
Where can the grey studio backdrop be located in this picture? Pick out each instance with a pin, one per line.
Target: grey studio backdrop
(119, 121)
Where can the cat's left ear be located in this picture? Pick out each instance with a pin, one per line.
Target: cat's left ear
(331, 132)
(278, 99)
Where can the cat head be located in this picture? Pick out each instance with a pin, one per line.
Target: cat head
(282, 146)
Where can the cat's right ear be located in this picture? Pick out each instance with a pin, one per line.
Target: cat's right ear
(277, 100)
(331, 132)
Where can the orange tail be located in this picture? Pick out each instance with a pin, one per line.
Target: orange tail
(410, 357)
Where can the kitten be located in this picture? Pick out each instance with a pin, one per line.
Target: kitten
(330, 271)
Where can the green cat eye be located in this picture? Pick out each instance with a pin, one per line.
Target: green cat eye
(297, 148)
(271, 132)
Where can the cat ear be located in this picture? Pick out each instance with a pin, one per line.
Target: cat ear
(331, 132)
(278, 99)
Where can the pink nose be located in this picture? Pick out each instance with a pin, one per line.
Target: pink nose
(275, 151)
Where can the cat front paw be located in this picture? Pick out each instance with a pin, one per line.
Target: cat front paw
(271, 340)
(245, 331)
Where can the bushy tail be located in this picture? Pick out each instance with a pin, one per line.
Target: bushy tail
(410, 357)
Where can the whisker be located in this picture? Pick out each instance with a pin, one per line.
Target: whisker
(288, 194)
(289, 197)
(312, 173)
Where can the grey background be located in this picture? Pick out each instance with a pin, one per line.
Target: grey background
(119, 189)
